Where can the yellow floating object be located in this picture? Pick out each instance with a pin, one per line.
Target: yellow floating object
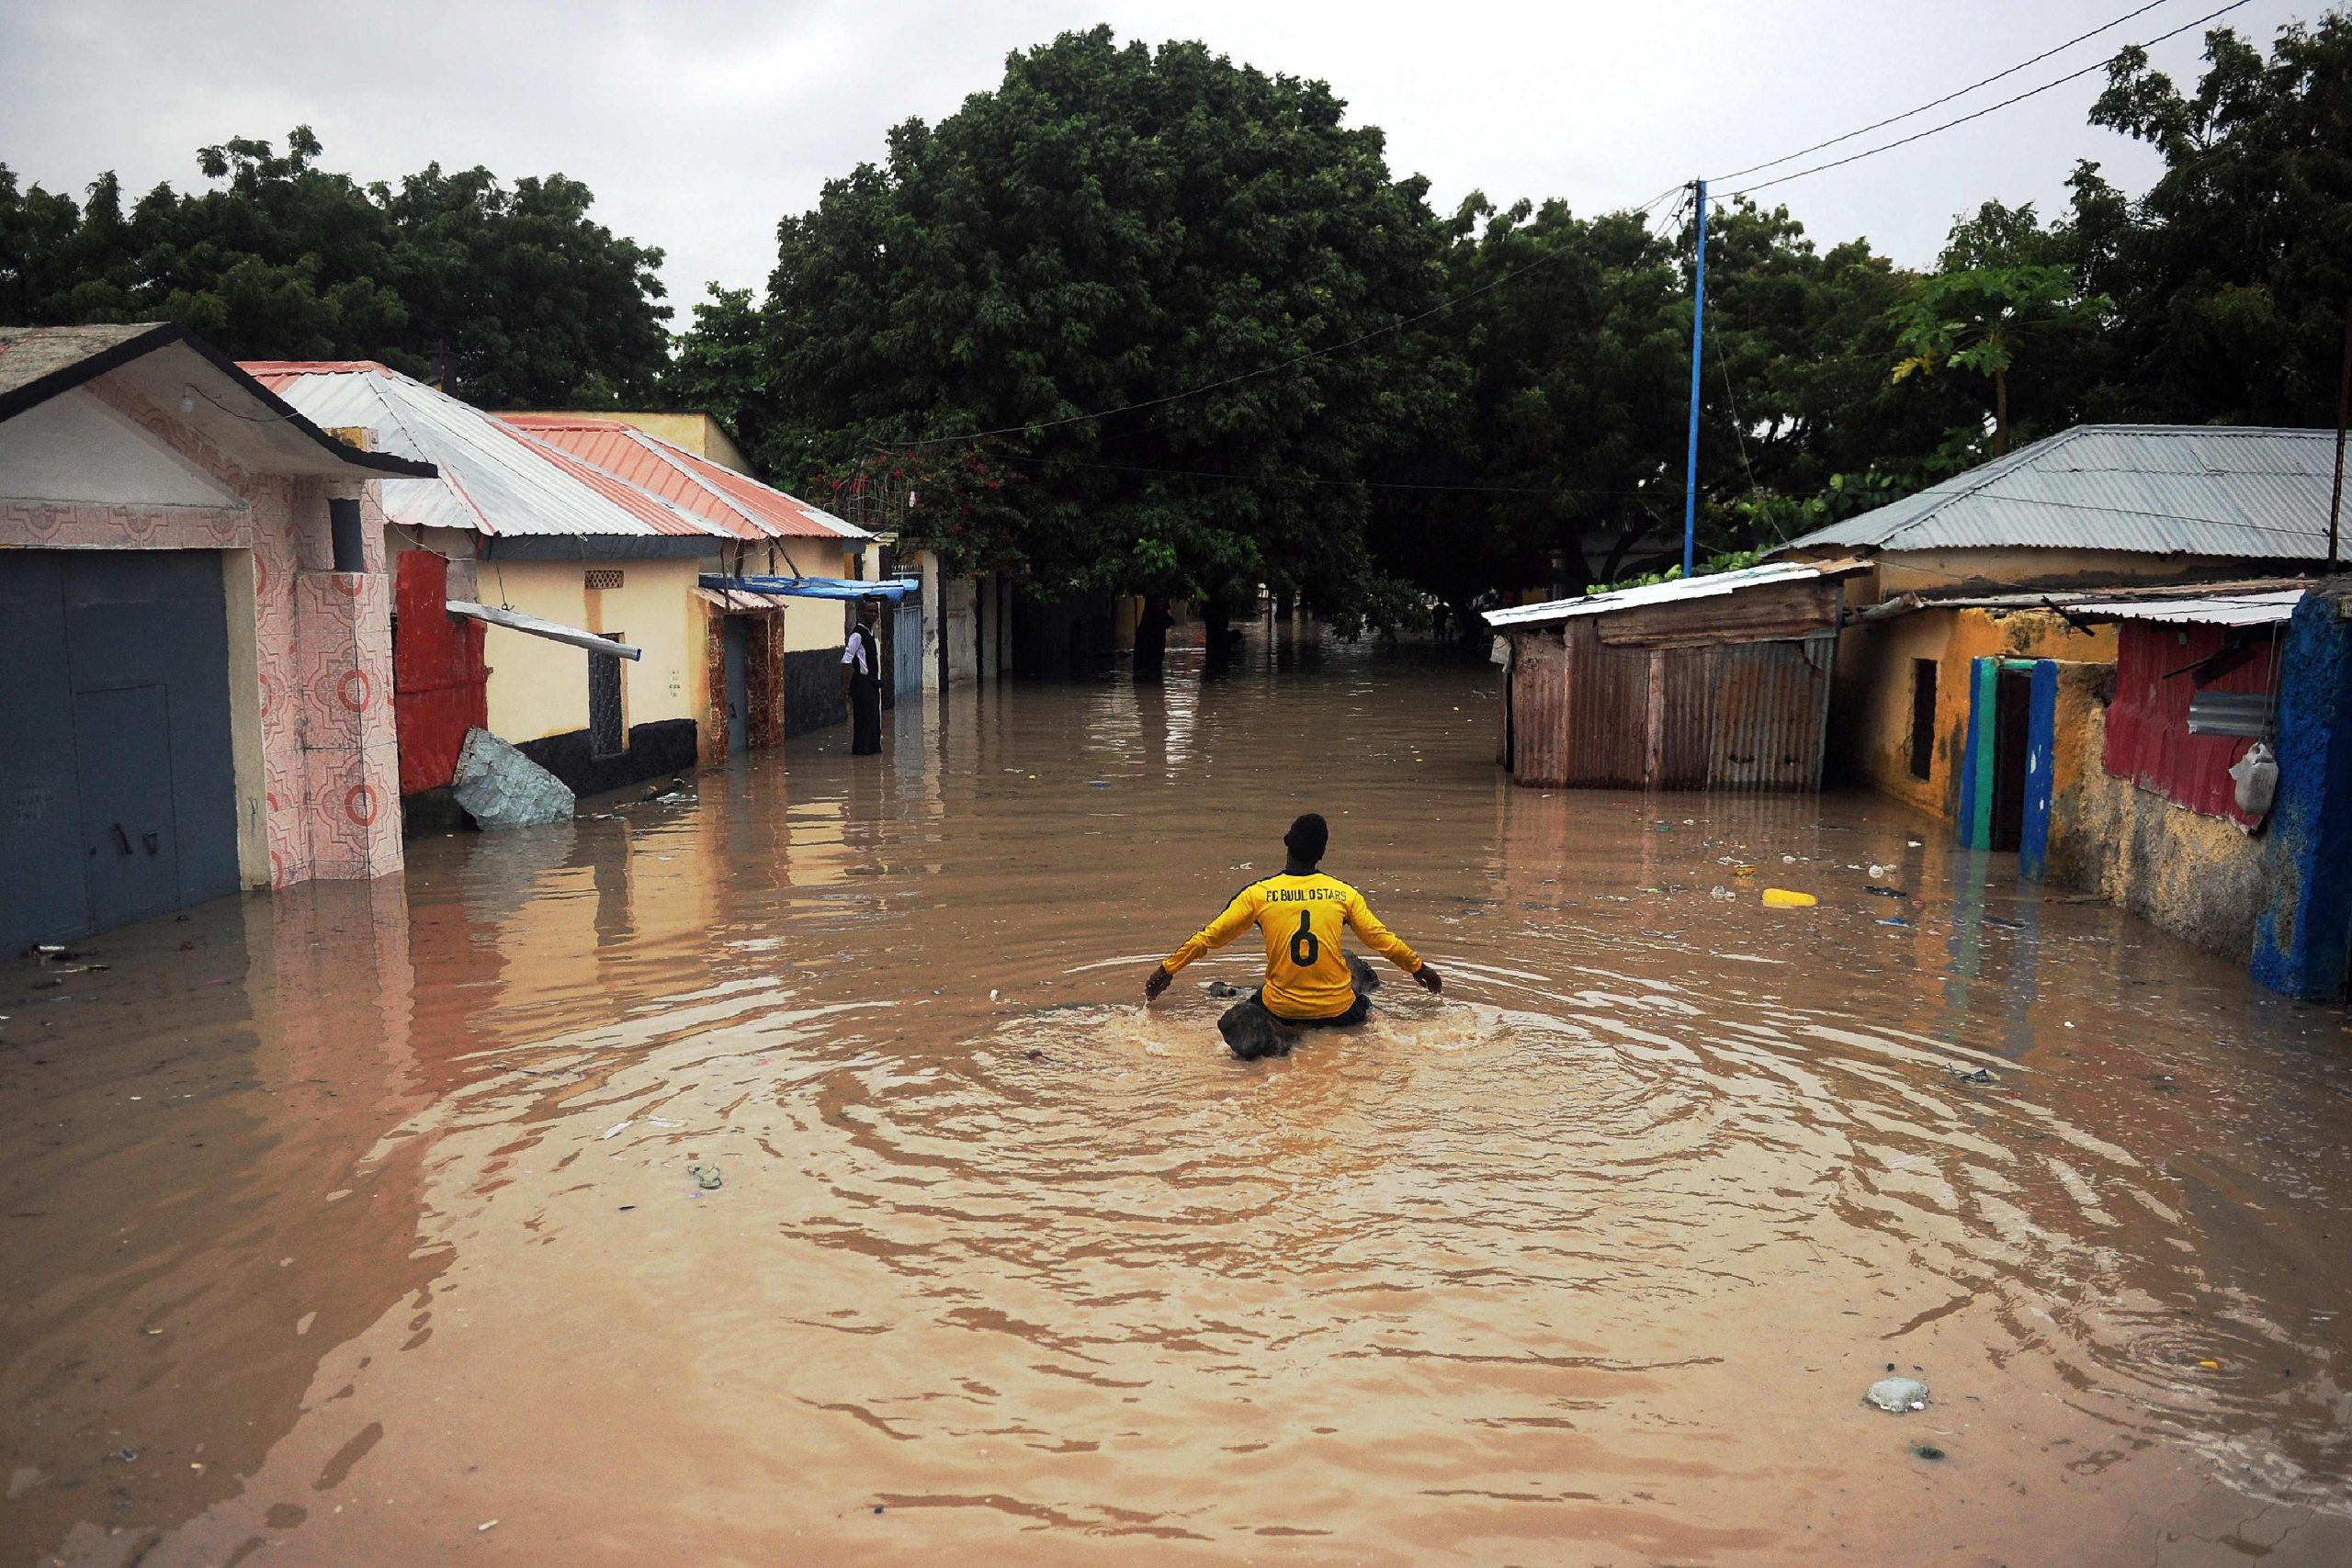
(2211, 1365)
(1743, 870)
(1781, 898)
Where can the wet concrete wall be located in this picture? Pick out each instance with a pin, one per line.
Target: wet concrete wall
(2201, 877)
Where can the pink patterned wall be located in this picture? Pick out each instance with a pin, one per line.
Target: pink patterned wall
(322, 639)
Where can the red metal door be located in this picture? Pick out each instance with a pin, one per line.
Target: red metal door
(440, 686)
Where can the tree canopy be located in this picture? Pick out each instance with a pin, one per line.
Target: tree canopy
(1148, 320)
(509, 295)
(1160, 238)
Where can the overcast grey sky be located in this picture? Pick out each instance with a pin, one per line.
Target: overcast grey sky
(697, 125)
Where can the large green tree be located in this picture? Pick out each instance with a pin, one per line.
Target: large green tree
(2232, 275)
(510, 295)
(1170, 282)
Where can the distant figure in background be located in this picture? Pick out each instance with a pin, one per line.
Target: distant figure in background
(1310, 983)
(863, 657)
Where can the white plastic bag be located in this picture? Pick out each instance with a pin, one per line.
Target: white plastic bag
(2256, 773)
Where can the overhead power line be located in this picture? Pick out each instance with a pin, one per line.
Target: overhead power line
(1938, 103)
(1972, 115)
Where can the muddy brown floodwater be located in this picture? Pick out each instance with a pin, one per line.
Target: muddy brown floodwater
(356, 1226)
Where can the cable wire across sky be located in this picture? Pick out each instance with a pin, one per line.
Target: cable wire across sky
(1958, 120)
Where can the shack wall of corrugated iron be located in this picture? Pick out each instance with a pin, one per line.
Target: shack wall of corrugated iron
(1734, 717)
(1606, 727)
(2147, 724)
(1539, 709)
(1770, 714)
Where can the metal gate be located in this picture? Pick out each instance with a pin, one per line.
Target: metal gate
(118, 789)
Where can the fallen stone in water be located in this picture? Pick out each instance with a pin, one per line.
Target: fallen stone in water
(1222, 991)
(1897, 1396)
(500, 787)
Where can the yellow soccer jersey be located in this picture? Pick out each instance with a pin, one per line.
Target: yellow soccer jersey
(1301, 916)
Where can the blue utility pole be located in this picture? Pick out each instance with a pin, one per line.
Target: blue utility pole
(1698, 338)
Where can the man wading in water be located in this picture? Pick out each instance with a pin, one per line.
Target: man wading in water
(862, 655)
(1310, 983)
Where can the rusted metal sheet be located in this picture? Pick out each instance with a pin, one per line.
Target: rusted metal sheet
(1607, 717)
(1742, 715)
(1777, 610)
(1539, 704)
(2159, 670)
(1772, 706)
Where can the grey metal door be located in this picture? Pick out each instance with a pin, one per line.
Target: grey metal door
(116, 714)
(44, 891)
(905, 648)
(739, 700)
(122, 742)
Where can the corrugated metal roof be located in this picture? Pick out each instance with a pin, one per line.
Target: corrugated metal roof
(1554, 611)
(495, 479)
(741, 506)
(2161, 490)
(2210, 609)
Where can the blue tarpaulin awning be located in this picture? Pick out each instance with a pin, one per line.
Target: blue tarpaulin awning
(893, 590)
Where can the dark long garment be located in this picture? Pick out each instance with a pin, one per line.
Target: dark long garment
(865, 704)
(1253, 1032)
(865, 715)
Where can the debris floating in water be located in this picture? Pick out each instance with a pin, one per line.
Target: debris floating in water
(1897, 1396)
(1783, 898)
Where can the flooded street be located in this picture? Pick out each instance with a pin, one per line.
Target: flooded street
(356, 1225)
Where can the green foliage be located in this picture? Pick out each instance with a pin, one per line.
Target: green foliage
(2231, 274)
(1113, 227)
(510, 295)
(955, 500)
(1117, 228)
(1729, 560)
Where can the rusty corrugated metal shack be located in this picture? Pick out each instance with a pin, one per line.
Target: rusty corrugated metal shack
(1715, 683)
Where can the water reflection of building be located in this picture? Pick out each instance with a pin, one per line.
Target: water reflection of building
(229, 1211)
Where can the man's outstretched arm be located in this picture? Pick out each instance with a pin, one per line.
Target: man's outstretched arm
(1216, 933)
(1389, 945)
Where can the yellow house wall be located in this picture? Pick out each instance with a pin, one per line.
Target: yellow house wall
(539, 688)
(817, 622)
(1871, 737)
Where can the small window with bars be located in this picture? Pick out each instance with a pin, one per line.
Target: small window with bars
(607, 735)
(602, 576)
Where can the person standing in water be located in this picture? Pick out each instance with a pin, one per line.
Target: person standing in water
(863, 657)
(1309, 981)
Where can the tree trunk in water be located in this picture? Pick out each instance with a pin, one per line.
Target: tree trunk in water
(1151, 640)
(2000, 412)
(1217, 655)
